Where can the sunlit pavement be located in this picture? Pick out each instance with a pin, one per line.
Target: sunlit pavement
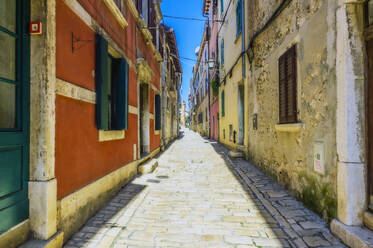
(198, 197)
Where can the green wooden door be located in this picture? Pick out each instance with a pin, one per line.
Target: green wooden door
(14, 112)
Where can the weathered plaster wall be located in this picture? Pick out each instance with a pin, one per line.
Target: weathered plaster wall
(311, 26)
(230, 88)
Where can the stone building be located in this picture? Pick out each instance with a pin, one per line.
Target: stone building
(200, 88)
(304, 68)
(294, 90)
(171, 84)
(233, 93)
(183, 114)
(79, 110)
(210, 9)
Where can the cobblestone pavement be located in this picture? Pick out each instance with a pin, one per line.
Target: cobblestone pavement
(198, 197)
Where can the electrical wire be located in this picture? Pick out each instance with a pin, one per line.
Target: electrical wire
(186, 18)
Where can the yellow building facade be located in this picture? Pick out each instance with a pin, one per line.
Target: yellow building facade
(233, 82)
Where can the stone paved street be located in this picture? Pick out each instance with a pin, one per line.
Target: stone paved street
(198, 197)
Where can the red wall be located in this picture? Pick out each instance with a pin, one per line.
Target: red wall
(80, 157)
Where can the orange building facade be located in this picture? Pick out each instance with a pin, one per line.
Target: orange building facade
(94, 87)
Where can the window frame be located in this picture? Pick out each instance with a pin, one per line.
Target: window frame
(287, 115)
(112, 88)
(223, 103)
(222, 52)
(238, 18)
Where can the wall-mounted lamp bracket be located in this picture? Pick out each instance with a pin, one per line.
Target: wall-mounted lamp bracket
(77, 43)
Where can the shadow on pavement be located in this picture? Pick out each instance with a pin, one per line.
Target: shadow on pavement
(105, 221)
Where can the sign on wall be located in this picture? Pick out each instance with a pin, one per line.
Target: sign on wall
(319, 157)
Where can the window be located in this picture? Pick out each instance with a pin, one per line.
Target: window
(120, 5)
(200, 118)
(369, 12)
(222, 104)
(238, 18)
(222, 52)
(157, 111)
(221, 6)
(112, 89)
(288, 87)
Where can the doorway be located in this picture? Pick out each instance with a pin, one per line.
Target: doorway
(14, 113)
(241, 113)
(144, 120)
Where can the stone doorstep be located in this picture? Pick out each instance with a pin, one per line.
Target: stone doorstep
(353, 236)
(56, 241)
(147, 167)
(236, 154)
(368, 220)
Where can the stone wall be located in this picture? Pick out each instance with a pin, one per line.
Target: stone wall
(289, 156)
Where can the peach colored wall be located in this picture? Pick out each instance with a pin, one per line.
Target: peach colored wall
(77, 67)
(80, 157)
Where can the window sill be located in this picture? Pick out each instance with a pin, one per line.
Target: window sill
(237, 38)
(290, 128)
(104, 135)
(368, 220)
(116, 12)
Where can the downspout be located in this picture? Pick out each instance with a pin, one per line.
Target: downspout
(243, 33)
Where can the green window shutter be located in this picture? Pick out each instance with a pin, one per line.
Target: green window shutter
(238, 18)
(157, 100)
(221, 6)
(102, 75)
(222, 52)
(222, 103)
(120, 94)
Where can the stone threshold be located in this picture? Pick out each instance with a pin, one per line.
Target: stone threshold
(353, 236)
(304, 228)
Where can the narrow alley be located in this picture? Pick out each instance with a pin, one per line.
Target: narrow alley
(198, 197)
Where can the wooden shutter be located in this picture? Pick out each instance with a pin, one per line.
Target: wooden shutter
(288, 87)
(222, 52)
(157, 100)
(120, 96)
(102, 73)
(222, 103)
(238, 18)
(139, 6)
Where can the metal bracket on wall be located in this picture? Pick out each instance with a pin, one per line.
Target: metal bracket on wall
(75, 41)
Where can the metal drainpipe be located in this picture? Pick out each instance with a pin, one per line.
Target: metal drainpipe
(243, 39)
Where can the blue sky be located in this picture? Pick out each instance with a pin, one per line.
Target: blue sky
(188, 34)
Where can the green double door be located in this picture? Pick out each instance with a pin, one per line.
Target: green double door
(14, 112)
